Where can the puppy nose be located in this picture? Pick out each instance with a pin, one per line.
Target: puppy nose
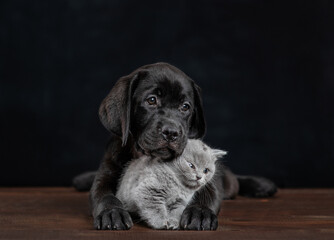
(170, 135)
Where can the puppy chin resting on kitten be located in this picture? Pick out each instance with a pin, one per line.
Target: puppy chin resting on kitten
(159, 191)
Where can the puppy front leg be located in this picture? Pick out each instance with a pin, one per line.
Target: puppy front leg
(107, 210)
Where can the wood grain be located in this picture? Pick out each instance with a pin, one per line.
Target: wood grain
(63, 213)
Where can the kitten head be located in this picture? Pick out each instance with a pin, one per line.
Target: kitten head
(197, 163)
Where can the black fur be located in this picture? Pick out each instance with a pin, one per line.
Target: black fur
(153, 111)
(258, 187)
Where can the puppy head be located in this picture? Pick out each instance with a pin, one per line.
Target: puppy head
(158, 106)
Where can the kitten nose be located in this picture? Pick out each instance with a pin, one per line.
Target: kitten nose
(198, 177)
(170, 134)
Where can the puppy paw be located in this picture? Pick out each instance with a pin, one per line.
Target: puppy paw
(198, 218)
(113, 219)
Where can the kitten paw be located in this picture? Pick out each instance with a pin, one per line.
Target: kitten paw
(173, 224)
(158, 224)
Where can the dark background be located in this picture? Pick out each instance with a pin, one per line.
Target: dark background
(266, 69)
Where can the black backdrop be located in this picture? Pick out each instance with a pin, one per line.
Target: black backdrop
(265, 67)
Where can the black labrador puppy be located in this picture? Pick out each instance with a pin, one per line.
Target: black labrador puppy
(153, 111)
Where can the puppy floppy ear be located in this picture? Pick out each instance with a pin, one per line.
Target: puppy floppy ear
(115, 109)
(197, 124)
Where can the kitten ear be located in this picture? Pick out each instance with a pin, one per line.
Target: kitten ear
(217, 153)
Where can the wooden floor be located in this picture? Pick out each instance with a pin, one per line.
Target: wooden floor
(62, 213)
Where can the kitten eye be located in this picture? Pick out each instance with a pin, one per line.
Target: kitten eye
(152, 100)
(185, 107)
(191, 165)
(205, 171)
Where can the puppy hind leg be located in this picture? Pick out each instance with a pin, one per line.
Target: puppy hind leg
(84, 181)
(258, 187)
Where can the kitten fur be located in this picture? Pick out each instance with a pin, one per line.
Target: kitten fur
(159, 191)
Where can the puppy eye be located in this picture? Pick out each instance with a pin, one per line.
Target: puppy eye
(185, 107)
(151, 100)
(205, 171)
(191, 165)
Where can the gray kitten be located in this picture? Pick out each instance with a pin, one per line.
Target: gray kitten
(159, 191)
